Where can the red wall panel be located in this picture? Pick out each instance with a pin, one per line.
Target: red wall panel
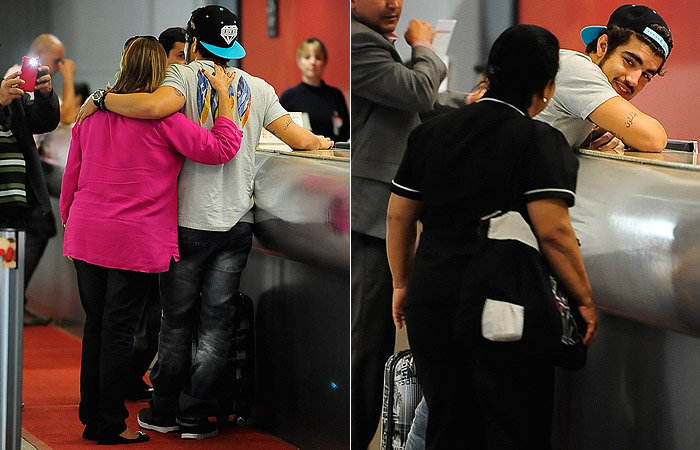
(274, 59)
(673, 99)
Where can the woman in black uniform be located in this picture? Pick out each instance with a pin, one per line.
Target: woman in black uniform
(459, 167)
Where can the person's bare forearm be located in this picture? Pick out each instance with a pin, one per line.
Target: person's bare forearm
(297, 137)
(557, 241)
(400, 241)
(138, 105)
(401, 235)
(560, 249)
(164, 101)
(68, 106)
(225, 109)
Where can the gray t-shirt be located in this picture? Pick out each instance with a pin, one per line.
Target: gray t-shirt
(581, 88)
(215, 198)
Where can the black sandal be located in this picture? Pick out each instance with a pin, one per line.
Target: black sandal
(117, 439)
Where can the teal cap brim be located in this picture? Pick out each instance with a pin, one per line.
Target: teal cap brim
(236, 51)
(590, 33)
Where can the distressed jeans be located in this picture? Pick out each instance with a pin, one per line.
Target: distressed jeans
(198, 296)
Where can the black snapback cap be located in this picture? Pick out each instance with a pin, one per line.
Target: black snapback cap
(216, 28)
(635, 17)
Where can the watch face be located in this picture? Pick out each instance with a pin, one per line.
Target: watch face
(98, 98)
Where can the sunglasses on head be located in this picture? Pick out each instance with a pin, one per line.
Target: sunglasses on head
(133, 38)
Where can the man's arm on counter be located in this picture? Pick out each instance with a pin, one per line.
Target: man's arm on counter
(297, 137)
(625, 121)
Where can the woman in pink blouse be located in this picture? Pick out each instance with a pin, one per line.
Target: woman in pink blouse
(119, 206)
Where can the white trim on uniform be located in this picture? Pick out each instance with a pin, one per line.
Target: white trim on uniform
(489, 99)
(404, 187)
(537, 191)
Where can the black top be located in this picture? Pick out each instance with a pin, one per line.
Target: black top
(325, 105)
(467, 164)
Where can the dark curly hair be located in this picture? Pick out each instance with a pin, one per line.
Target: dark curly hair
(618, 36)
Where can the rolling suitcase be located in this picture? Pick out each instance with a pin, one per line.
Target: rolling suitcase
(240, 372)
(402, 394)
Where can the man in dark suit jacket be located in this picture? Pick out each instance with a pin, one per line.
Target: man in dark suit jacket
(387, 97)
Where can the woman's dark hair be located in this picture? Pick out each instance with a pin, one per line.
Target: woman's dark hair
(522, 61)
(620, 36)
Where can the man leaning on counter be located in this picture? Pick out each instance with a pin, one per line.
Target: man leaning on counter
(591, 104)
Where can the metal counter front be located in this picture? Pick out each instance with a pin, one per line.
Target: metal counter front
(637, 217)
(299, 276)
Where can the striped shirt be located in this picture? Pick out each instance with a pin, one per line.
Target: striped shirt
(13, 177)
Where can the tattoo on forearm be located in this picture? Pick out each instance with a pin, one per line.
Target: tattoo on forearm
(178, 93)
(630, 118)
(286, 125)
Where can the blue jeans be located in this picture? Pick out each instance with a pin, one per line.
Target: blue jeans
(416, 436)
(198, 295)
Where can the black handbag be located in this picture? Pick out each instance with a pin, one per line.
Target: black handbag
(510, 296)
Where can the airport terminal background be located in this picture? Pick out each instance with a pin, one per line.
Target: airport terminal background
(639, 389)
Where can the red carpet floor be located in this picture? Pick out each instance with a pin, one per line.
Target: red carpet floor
(51, 396)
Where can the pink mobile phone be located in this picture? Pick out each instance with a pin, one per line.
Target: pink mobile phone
(29, 69)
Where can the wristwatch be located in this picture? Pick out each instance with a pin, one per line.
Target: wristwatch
(98, 97)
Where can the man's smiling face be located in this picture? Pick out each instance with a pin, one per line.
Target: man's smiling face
(630, 66)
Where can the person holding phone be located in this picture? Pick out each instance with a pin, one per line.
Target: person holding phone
(22, 183)
(49, 52)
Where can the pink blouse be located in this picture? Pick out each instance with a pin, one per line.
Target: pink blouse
(119, 191)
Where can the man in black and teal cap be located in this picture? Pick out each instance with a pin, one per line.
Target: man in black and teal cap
(198, 292)
(591, 104)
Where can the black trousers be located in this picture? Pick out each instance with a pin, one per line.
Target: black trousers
(487, 396)
(40, 228)
(146, 340)
(372, 334)
(113, 301)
